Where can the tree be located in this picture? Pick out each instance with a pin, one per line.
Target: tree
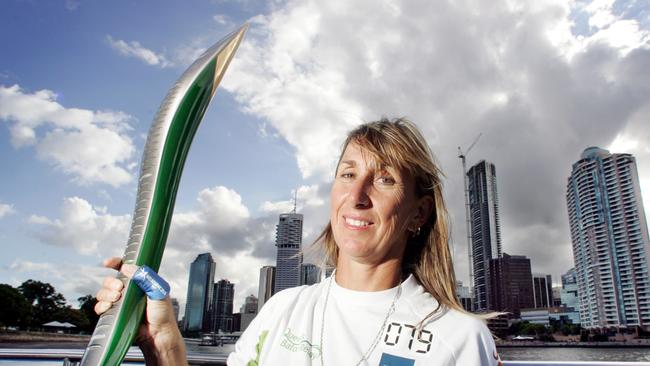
(73, 316)
(44, 300)
(14, 308)
(87, 307)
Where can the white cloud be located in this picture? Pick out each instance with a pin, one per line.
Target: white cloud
(70, 279)
(135, 49)
(91, 146)
(72, 4)
(307, 196)
(89, 230)
(6, 209)
(223, 20)
(514, 71)
(240, 244)
(219, 223)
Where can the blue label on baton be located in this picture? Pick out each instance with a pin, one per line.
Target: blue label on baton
(154, 286)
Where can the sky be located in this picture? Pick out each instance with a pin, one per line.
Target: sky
(80, 82)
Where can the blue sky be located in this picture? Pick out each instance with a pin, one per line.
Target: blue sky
(81, 80)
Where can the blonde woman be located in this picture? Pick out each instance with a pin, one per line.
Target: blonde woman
(391, 300)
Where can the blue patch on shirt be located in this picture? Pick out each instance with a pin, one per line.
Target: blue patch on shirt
(391, 360)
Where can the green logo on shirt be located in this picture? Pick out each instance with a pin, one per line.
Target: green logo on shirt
(295, 343)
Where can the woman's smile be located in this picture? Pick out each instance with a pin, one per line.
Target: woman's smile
(356, 223)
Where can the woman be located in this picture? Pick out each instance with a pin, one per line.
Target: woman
(391, 299)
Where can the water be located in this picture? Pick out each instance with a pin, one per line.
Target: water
(574, 354)
(506, 353)
(519, 353)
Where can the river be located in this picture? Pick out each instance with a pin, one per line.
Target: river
(526, 353)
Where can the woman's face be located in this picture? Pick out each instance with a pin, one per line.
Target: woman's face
(373, 208)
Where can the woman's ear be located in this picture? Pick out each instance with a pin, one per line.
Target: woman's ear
(424, 210)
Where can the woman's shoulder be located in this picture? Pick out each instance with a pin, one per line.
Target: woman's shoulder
(289, 298)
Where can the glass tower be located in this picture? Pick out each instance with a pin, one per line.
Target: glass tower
(485, 229)
(609, 235)
(224, 293)
(310, 275)
(199, 294)
(288, 240)
(266, 286)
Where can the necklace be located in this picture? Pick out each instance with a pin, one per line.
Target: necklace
(365, 356)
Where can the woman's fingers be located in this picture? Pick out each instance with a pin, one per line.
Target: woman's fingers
(102, 306)
(108, 295)
(113, 283)
(113, 262)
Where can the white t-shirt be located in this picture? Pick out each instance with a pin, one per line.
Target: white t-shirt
(287, 331)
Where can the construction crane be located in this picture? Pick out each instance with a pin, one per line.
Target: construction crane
(462, 155)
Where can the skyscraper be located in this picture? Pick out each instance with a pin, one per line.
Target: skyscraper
(199, 294)
(511, 280)
(542, 290)
(266, 286)
(288, 240)
(224, 292)
(569, 293)
(464, 296)
(248, 311)
(609, 233)
(310, 274)
(176, 307)
(250, 305)
(485, 229)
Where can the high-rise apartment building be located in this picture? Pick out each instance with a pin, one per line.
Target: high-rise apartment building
(609, 235)
(248, 311)
(464, 296)
(485, 229)
(176, 307)
(199, 294)
(542, 290)
(266, 286)
(569, 293)
(288, 240)
(310, 274)
(511, 280)
(224, 293)
(249, 306)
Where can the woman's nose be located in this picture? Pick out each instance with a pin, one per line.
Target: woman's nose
(359, 194)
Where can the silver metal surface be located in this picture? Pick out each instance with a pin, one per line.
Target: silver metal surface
(147, 181)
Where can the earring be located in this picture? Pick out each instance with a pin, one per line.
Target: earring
(415, 232)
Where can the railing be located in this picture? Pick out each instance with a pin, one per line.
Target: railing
(134, 357)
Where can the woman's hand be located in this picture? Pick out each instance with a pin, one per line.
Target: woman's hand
(159, 337)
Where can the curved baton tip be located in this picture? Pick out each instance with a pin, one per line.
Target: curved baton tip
(154, 286)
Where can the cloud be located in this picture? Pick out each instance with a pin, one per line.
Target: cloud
(222, 225)
(72, 4)
(6, 209)
(519, 72)
(223, 20)
(90, 230)
(91, 146)
(70, 279)
(219, 224)
(135, 49)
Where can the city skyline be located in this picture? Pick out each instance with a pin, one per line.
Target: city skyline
(610, 239)
(540, 82)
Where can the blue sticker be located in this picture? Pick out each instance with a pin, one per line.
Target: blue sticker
(392, 360)
(151, 283)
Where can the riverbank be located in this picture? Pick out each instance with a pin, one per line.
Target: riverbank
(41, 337)
(636, 343)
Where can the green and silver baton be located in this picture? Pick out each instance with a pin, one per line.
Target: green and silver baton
(168, 143)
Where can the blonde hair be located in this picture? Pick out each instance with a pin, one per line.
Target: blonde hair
(399, 143)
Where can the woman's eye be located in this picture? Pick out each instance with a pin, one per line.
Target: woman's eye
(388, 181)
(346, 175)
